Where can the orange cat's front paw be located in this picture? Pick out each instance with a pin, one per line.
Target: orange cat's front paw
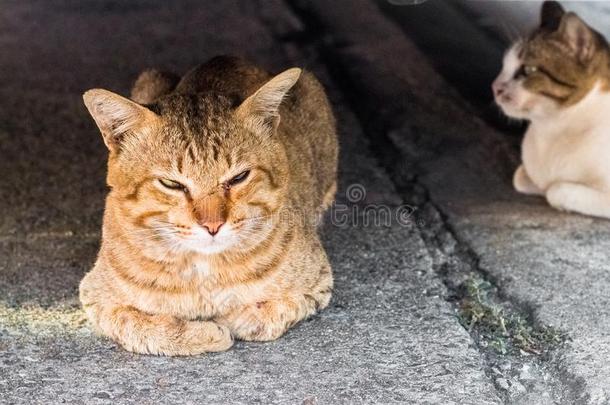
(173, 337)
(201, 337)
(263, 321)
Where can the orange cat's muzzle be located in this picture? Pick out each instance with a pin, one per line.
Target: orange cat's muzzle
(211, 213)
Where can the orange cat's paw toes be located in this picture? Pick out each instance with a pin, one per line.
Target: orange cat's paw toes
(260, 333)
(263, 332)
(259, 322)
(211, 337)
(200, 337)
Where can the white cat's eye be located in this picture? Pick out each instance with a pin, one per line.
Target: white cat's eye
(172, 185)
(239, 178)
(528, 69)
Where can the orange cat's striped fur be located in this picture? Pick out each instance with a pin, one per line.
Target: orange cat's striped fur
(217, 182)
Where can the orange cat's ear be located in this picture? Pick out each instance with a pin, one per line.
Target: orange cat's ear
(262, 108)
(579, 37)
(116, 116)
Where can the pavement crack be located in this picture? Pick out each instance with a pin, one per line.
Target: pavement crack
(516, 349)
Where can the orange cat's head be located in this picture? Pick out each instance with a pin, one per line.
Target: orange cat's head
(553, 68)
(194, 173)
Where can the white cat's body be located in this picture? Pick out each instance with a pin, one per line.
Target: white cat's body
(566, 149)
(573, 146)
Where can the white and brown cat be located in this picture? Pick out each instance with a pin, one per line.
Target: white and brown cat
(558, 79)
(217, 181)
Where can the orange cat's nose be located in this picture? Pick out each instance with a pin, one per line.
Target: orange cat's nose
(212, 226)
(210, 213)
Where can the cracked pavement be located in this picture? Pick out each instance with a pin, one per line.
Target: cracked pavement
(391, 333)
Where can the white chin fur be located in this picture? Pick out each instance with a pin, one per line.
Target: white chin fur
(208, 248)
(226, 239)
(513, 111)
(204, 243)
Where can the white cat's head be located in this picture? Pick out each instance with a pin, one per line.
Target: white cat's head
(553, 68)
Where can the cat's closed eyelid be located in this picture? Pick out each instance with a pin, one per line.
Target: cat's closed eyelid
(238, 178)
(171, 186)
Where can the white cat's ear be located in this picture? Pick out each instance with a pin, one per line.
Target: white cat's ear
(550, 15)
(579, 37)
(262, 108)
(116, 116)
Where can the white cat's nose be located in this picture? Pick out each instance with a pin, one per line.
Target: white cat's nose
(498, 87)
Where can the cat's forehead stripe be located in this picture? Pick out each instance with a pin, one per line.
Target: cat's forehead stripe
(190, 151)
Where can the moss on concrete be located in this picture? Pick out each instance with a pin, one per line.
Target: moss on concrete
(504, 330)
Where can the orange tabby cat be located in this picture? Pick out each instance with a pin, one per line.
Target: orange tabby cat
(217, 182)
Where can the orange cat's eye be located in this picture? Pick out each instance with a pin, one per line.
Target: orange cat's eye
(239, 178)
(172, 185)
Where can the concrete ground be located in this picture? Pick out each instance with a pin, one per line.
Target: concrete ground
(401, 327)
